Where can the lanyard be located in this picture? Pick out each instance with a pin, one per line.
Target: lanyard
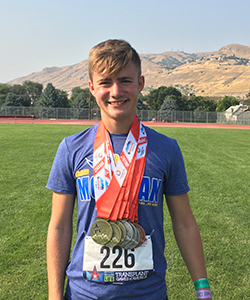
(117, 185)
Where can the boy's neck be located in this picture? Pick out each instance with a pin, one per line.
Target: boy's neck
(114, 126)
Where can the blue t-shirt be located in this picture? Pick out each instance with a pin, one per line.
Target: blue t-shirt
(72, 173)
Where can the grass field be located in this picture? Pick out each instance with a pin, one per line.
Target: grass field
(217, 163)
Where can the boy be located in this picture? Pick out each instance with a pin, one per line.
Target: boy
(119, 171)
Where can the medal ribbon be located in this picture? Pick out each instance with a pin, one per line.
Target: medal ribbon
(117, 185)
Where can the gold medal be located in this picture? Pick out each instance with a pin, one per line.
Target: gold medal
(116, 237)
(123, 231)
(101, 231)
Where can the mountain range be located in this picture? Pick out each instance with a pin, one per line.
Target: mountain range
(213, 74)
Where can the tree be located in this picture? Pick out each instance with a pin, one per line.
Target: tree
(4, 90)
(63, 100)
(199, 103)
(210, 105)
(182, 103)
(49, 97)
(33, 90)
(81, 102)
(27, 93)
(169, 106)
(22, 96)
(156, 97)
(80, 98)
(140, 102)
(12, 100)
(247, 100)
(226, 102)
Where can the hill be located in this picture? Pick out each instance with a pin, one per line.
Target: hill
(217, 73)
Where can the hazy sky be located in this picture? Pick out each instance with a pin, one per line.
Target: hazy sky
(36, 34)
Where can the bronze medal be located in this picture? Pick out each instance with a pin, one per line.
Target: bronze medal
(101, 231)
(142, 234)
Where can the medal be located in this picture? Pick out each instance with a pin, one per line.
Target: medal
(116, 237)
(142, 234)
(101, 231)
(129, 233)
(136, 237)
(132, 236)
(123, 231)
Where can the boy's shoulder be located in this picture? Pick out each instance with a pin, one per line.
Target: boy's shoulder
(78, 137)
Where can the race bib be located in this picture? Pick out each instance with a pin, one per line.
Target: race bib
(117, 265)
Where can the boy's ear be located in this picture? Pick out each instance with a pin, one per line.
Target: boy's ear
(141, 84)
(91, 87)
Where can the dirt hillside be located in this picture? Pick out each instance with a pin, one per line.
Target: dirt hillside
(218, 73)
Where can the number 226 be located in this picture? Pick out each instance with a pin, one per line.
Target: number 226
(129, 257)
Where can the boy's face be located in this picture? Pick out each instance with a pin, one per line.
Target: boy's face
(117, 94)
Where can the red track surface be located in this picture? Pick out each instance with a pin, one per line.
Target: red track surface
(152, 124)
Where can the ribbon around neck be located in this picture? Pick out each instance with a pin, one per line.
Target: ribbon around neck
(117, 184)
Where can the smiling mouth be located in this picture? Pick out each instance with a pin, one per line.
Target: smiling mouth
(117, 102)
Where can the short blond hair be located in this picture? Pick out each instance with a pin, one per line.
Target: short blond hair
(111, 57)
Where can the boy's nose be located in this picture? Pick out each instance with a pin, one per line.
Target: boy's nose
(116, 90)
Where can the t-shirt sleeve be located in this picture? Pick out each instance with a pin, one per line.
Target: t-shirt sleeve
(61, 178)
(176, 183)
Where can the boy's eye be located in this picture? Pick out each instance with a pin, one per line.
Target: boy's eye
(126, 81)
(105, 82)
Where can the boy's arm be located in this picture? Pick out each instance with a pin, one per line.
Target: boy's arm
(187, 235)
(59, 242)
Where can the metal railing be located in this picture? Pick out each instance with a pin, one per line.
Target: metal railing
(144, 115)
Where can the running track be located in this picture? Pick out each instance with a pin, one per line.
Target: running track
(151, 124)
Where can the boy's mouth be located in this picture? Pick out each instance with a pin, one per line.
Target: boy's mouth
(117, 102)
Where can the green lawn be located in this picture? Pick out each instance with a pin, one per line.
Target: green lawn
(217, 162)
